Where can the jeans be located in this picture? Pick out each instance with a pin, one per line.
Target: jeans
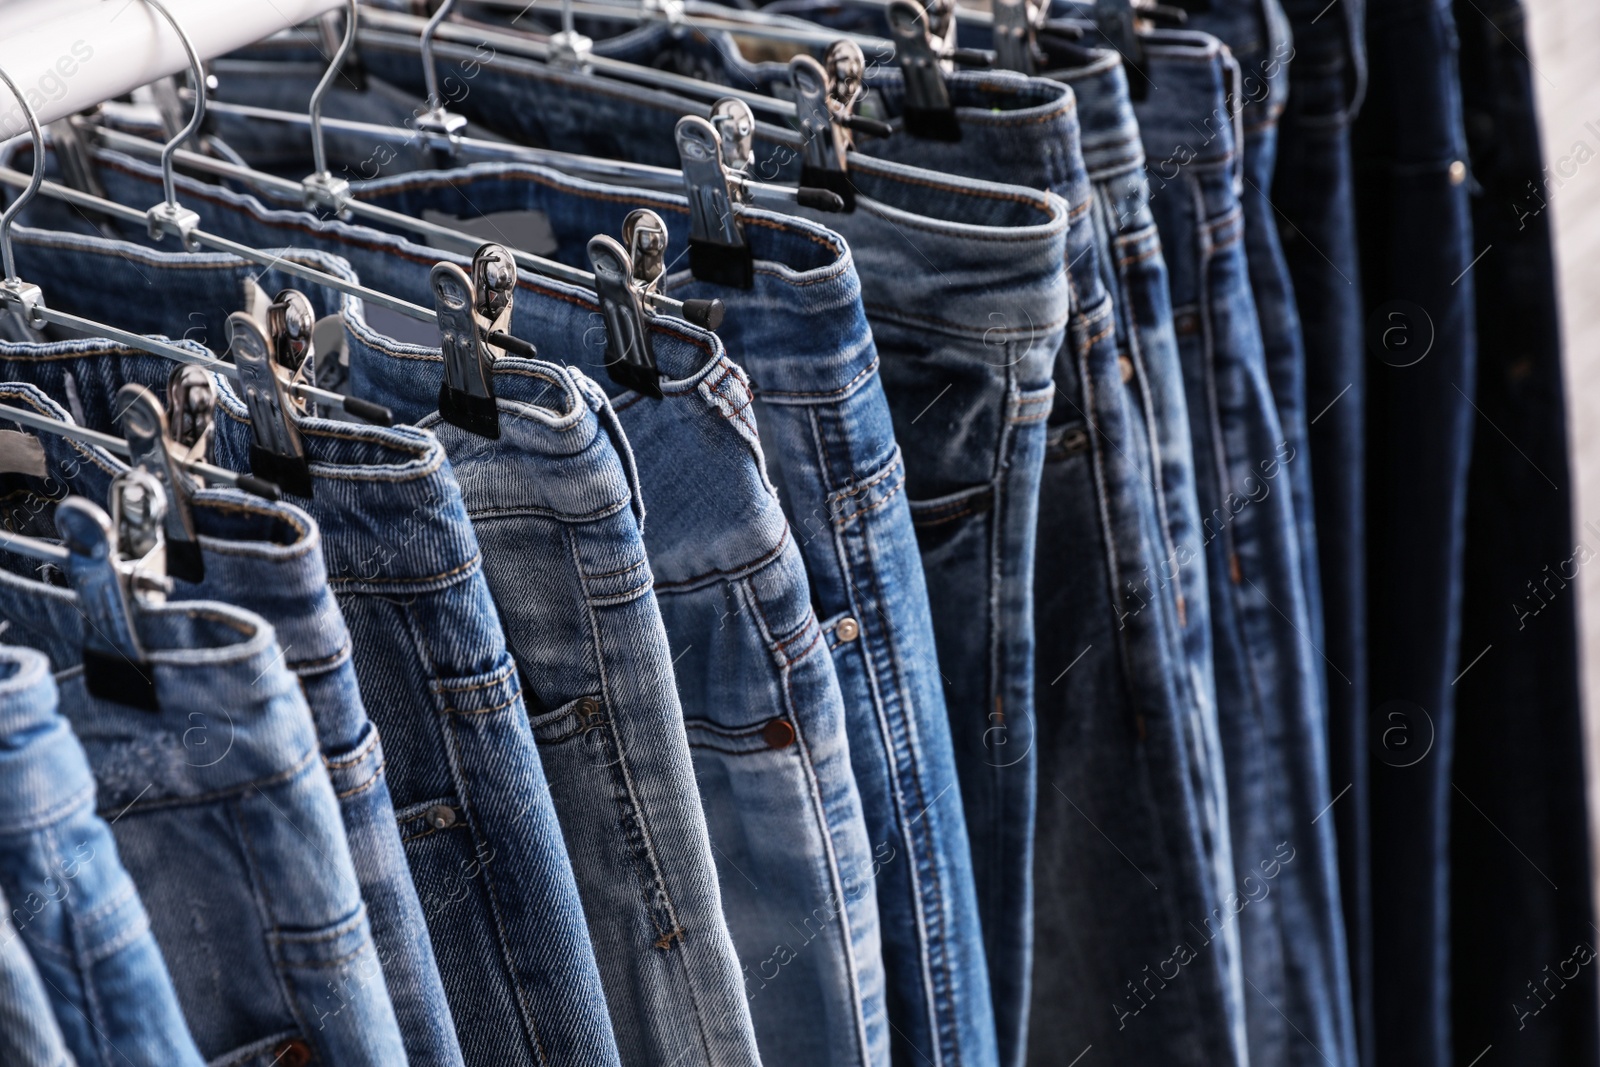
(1313, 191)
(1416, 242)
(480, 832)
(29, 1036)
(555, 503)
(1270, 710)
(222, 810)
(268, 559)
(72, 903)
(802, 336)
(1120, 472)
(1521, 556)
(952, 219)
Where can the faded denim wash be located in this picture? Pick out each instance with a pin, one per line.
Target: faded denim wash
(481, 835)
(75, 909)
(261, 923)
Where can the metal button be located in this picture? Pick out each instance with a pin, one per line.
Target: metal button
(295, 1053)
(1458, 172)
(778, 733)
(848, 629)
(440, 816)
(588, 707)
(1125, 365)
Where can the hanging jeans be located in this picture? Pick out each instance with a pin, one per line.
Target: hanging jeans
(1520, 575)
(1297, 1006)
(222, 810)
(481, 836)
(72, 907)
(1415, 236)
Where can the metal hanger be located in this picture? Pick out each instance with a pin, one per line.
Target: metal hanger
(116, 564)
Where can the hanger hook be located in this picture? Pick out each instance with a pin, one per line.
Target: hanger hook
(319, 154)
(197, 72)
(37, 179)
(428, 67)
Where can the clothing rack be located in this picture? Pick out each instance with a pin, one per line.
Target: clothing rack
(85, 54)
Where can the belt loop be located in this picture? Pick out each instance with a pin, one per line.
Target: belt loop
(607, 417)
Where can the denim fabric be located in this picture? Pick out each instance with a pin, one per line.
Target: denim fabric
(949, 215)
(480, 832)
(1521, 563)
(802, 334)
(1417, 245)
(555, 503)
(829, 876)
(1258, 34)
(29, 1036)
(268, 559)
(1313, 191)
(223, 813)
(76, 909)
(1149, 763)
(1273, 731)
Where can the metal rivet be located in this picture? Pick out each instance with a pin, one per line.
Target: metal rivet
(1125, 365)
(440, 816)
(778, 733)
(295, 1053)
(1458, 172)
(588, 707)
(848, 629)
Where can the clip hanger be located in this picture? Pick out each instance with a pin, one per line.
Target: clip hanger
(474, 317)
(115, 563)
(276, 451)
(321, 189)
(821, 99)
(144, 427)
(928, 113)
(1016, 33)
(717, 249)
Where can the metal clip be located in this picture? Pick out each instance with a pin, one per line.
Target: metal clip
(717, 249)
(290, 322)
(466, 396)
(144, 427)
(928, 113)
(494, 287)
(276, 452)
(71, 145)
(330, 366)
(645, 235)
(827, 139)
(191, 404)
(735, 124)
(941, 16)
(1115, 20)
(630, 358)
(114, 665)
(1016, 28)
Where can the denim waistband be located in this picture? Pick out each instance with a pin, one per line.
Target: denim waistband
(204, 657)
(41, 775)
(371, 476)
(1198, 71)
(1109, 137)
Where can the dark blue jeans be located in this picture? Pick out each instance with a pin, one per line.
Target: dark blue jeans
(1417, 245)
(1520, 579)
(1268, 692)
(1313, 191)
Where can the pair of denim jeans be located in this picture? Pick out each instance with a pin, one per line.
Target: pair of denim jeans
(1520, 561)
(942, 215)
(101, 988)
(1313, 193)
(1417, 249)
(480, 832)
(1297, 1006)
(222, 811)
